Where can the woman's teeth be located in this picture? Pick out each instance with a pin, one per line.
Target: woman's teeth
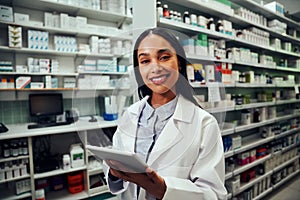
(159, 80)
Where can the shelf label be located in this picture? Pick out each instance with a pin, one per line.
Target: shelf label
(213, 92)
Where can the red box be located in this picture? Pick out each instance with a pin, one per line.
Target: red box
(75, 188)
(75, 178)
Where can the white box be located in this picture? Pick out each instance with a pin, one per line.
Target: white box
(37, 85)
(6, 13)
(21, 18)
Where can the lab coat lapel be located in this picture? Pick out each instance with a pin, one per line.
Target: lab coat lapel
(129, 127)
(173, 132)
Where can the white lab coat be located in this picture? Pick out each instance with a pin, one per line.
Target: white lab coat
(188, 154)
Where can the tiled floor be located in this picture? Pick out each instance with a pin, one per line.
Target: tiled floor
(288, 191)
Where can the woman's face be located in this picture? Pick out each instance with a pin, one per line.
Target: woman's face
(158, 64)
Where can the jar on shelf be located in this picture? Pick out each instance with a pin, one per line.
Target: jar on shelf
(245, 117)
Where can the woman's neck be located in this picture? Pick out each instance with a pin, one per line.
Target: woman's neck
(158, 100)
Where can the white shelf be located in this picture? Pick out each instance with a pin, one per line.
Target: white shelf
(260, 9)
(13, 158)
(187, 28)
(70, 9)
(281, 182)
(285, 163)
(253, 143)
(66, 195)
(245, 186)
(57, 172)
(264, 193)
(228, 175)
(241, 169)
(95, 171)
(98, 190)
(21, 130)
(8, 195)
(15, 179)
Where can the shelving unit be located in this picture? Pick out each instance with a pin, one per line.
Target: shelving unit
(101, 24)
(250, 133)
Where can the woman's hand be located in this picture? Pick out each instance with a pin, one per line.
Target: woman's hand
(150, 180)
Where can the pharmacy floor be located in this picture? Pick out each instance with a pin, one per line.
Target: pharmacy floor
(288, 191)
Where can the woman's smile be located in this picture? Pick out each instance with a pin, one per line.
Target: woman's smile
(158, 80)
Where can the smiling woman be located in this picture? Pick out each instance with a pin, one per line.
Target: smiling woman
(180, 142)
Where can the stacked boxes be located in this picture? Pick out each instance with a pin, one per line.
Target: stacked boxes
(38, 40)
(15, 36)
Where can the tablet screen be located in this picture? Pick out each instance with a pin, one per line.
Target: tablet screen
(128, 159)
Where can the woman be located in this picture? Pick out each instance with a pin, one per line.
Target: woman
(180, 142)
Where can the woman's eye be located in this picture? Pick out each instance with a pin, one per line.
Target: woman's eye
(144, 61)
(164, 58)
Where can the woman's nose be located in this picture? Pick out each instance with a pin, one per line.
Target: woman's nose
(155, 67)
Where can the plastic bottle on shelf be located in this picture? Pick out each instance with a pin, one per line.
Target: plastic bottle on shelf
(179, 18)
(66, 162)
(210, 24)
(186, 17)
(159, 9)
(220, 27)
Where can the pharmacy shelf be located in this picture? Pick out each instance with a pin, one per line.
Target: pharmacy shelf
(38, 74)
(98, 190)
(190, 29)
(66, 195)
(260, 9)
(264, 193)
(95, 171)
(245, 23)
(187, 28)
(52, 52)
(58, 172)
(13, 158)
(250, 144)
(118, 35)
(288, 132)
(254, 105)
(205, 6)
(9, 195)
(208, 58)
(15, 178)
(286, 163)
(281, 182)
(245, 186)
(51, 5)
(228, 175)
(241, 169)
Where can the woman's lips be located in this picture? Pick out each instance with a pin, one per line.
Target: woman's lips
(159, 79)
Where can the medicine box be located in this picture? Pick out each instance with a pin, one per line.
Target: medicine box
(6, 13)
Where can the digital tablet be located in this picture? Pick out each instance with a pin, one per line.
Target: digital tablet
(128, 159)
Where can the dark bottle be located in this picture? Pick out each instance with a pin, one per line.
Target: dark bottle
(25, 148)
(6, 151)
(256, 116)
